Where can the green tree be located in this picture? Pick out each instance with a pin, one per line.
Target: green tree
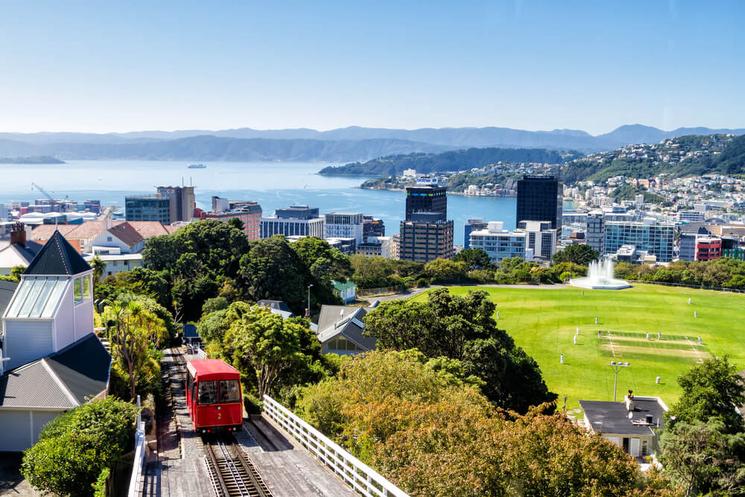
(446, 271)
(270, 350)
(142, 281)
(99, 266)
(433, 434)
(703, 459)
(324, 262)
(463, 328)
(161, 252)
(577, 254)
(711, 390)
(474, 259)
(135, 332)
(272, 270)
(76, 447)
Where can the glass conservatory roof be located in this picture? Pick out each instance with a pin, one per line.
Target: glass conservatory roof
(36, 298)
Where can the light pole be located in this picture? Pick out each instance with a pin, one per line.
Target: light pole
(616, 368)
(307, 309)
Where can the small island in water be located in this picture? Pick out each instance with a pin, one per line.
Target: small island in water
(40, 159)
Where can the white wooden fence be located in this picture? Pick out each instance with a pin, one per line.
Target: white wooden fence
(138, 464)
(362, 478)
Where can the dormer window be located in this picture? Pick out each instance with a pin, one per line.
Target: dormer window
(81, 289)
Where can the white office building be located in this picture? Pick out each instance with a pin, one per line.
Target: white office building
(344, 225)
(541, 239)
(499, 243)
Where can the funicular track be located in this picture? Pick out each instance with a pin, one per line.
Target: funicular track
(232, 472)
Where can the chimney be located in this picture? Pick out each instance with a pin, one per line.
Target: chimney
(629, 401)
(18, 234)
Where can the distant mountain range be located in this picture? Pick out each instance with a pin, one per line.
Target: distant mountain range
(337, 145)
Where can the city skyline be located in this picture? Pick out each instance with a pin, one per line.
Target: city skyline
(523, 65)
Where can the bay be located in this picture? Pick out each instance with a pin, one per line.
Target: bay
(272, 184)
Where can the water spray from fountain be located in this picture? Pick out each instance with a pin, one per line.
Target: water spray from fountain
(600, 276)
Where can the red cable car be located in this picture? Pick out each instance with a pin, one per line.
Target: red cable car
(213, 394)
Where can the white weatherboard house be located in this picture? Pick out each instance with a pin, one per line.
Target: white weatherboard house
(50, 360)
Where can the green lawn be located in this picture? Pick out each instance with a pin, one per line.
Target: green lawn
(544, 321)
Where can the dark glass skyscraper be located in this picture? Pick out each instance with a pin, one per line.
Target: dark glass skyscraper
(426, 233)
(429, 199)
(540, 198)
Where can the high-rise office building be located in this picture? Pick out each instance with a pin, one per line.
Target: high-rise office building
(296, 220)
(147, 208)
(499, 243)
(649, 236)
(427, 199)
(182, 201)
(595, 233)
(372, 227)
(541, 238)
(471, 226)
(344, 225)
(540, 198)
(249, 213)
(426, 234)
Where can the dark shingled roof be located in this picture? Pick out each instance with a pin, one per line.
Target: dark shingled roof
(57, 257)
(29, 250)
(67, 379)
(7, 288)
(613, 417)
(342, 320)
(83, 367)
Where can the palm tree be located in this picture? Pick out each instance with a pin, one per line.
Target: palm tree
(98, 266)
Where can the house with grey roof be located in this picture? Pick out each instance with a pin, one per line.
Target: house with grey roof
(634, 424)
(50, 359)
(341, 330)
(18, 251)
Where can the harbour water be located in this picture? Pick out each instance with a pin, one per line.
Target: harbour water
(272, 184)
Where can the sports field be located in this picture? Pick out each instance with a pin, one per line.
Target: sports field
(653, 328)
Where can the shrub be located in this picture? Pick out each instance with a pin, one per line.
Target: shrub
(76, 447)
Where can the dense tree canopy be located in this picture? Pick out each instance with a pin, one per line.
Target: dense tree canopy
(271, 352)
(74, 448)
(446, 271)
(463, 328)
(433, 434)
(703, 447)
(577, 254)
(136, 332)
(474, 259)
(711, 390)
(324, 262)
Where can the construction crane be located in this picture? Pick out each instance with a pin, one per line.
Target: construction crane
(43, 191)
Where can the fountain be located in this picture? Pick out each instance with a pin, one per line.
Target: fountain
(600, 277)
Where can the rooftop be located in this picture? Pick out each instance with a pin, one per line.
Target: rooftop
(613, 417)
(64, 380)
(57, 257)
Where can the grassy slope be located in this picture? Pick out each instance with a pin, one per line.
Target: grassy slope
(543, 321)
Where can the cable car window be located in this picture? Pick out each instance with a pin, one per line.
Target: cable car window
(230, 391)
(207, 392)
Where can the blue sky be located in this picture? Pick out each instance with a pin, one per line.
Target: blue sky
(118, 66)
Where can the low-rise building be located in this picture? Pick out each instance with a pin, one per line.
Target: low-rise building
(471, 226)
(341, 330)
(345, 290)
(344, 225)
(249, 213)
(650, 236)
(296, 220)
(634, 424)
(380, 246)
(51, 360)
(499, 243)
(541, 238)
